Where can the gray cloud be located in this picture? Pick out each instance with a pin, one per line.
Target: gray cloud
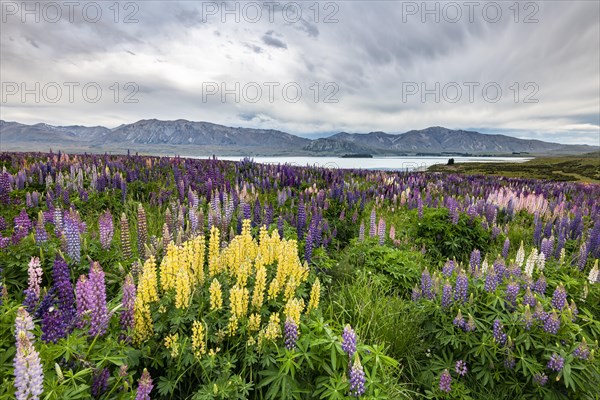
(366, 61)
(270, 39)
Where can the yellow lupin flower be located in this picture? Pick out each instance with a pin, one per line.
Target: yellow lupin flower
(168, 268)
(198, 339)
(172, 343)
(198, 259)
(183, 287)
(273, 330)
(238, 298)
(293, 309)
(274, 288)
(254, 322)
(259, 287)
(315, 296)
(216, 295)
(233, 325)
(147, 293)
(213, 252)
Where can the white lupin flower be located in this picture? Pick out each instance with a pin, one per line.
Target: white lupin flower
(520, 256)
(541, 262)
(484, 266)
(593, 276)
(531, 261)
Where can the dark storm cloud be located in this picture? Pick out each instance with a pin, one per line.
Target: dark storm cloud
(270, 39)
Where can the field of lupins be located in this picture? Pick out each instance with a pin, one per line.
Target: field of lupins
(135, 277)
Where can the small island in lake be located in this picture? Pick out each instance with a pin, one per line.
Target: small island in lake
(358, 155)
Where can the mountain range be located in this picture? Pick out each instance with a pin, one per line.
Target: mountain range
(204, 138)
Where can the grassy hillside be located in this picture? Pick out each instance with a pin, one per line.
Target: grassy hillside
(584, 168)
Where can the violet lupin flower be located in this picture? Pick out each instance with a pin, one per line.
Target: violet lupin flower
(461, 367)
(308, 245)
(142, 229)
(381, 231)
(125, 239)
(474, 261)
(280, 225)
(540, 378)
(144, 386)
(28, 368)
(100, 382)
(83, 296)
(461, 289)
(470, 325)
(426, 284)
(357, 379)
(491, 281)
(556, 363)
(416, 293)
(527, 318)
(540, 285)
(32, 293)
(559, 297)
(349, 341)
(448, 268)
(529, 298)
(446, 295)
(361, 232)
(582, 351)
(459, 321)
(97, 301)
(445, 381)
(499, 335)
(372, 227)
(64, 290)
(290, 334)
(53, 325)
(552, 323)
(129, 293)
(73, 239)
(506, 248)
(512, 290)
(41, 236)
(301, 220)
(105, 225)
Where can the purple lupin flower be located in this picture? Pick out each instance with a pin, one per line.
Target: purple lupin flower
(474, 261)
(552, 323)
(446, 295)
(357, 379)
(129, 293)
(28, 372)
(144, 386)
(361, 232)
(125, 239)
(349, 341)
(540, 378)
(448, 268)
(445, 381)
(416, 293)
(290, 334)
(5, 188)
(574, 311)
(72, 236)
(372, 227)
(381, 231)
(53, 325)
(582, 351)
(100, 382)
(470, 325)
(301, 220)
(529, 298)
(498, 331)
(97, 301)
(512, 290)
(426, 284)
(540, 285)
(559, 297)
(583, 255)
(106, 228)
(461, 290)
(142, 229)
(506, 248)
(461, 367)
(280, 225)
(32, 293)
(556, 363)
(83, 296)
(308, 246)
(22, 222)
(41, 236)
(491, 281)
(64, 290)
(459, 321)
(527, 318)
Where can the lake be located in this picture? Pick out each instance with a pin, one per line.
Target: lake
(384, 163)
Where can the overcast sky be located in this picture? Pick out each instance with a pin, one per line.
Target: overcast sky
(527, 69)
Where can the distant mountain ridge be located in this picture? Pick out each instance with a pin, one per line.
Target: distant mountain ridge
(204, 137)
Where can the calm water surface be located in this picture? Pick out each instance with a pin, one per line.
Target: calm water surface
(386, 163)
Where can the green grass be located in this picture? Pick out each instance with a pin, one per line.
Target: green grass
(583, 168)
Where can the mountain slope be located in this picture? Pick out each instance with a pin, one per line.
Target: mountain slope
(194, 138)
